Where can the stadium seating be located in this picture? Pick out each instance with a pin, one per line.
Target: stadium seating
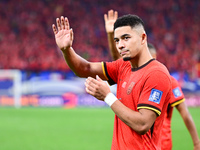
(27, 41)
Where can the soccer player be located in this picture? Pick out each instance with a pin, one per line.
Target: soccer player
(177, 99)
(143, 83)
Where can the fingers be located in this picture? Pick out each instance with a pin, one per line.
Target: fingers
(54, 29)
(96, 87)
(110, 14)
(58, 24)
(115, 15)
(91, 85)
(105, 17)
(89, 90)
(61, 23)
(67, 24)
(71, 35)
(98, 78)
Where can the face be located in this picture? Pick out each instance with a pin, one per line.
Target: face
(128, 42)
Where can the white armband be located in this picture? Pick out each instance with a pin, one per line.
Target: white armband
(110, 99)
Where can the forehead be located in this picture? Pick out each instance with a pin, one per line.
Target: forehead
(120, 31)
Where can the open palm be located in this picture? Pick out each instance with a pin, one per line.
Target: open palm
(110, 19)
(63, 33)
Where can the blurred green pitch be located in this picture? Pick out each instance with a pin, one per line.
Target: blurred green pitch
(72, 129)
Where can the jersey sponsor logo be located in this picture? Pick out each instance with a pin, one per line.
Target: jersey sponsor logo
(177, 92)
(130, 88)
(155, 96)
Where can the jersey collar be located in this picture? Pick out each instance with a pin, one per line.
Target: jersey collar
(135, 69)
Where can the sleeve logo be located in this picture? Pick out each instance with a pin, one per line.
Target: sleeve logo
(177, 92)
(155, 96)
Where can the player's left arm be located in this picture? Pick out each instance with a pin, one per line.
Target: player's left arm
(187, 118)
(140, 121)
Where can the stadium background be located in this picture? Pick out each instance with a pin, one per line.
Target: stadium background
(27, 43)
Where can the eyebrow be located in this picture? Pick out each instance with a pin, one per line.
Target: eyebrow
(122, 36)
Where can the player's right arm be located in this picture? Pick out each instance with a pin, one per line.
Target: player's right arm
(110, 19)
(64, 39)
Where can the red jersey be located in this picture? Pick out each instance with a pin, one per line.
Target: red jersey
(176, 98)
(149, 87)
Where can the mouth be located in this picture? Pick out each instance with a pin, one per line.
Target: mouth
(123, 52)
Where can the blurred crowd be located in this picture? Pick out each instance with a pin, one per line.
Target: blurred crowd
(27, 40)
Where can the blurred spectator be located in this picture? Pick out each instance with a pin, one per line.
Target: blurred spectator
(27, 41)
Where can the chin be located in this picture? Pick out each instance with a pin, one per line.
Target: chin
(127, 58)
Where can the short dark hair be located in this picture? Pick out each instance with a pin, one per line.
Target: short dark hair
(128, 20)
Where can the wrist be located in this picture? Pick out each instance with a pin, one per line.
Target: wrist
(110, 33)
(110, 99)
(65, 48)
(197, 143)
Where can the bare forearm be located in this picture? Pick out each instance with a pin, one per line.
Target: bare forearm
(113, 50)
(187, 118)
(82, 67)
(77, 64)
(191, 128)
(138, 121)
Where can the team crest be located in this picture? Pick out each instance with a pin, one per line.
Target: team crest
(155, 96)
(130, 88)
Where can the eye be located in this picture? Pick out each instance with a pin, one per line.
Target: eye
(116, 40)
(126, 37)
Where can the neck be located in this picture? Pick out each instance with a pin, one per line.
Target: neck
(141, 59)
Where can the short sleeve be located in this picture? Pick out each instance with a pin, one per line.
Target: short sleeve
(177, 93)
(110, 70)
(156, 92)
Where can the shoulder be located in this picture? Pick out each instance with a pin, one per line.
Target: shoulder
(156, 68)
(119, 64)
(174, 81)
(159, 66)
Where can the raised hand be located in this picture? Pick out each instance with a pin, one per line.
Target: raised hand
(97, 87)
(110, 19)
(63, 33)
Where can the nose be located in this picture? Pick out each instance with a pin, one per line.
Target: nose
(120, 44)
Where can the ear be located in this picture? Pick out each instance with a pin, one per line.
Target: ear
(144, 38)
